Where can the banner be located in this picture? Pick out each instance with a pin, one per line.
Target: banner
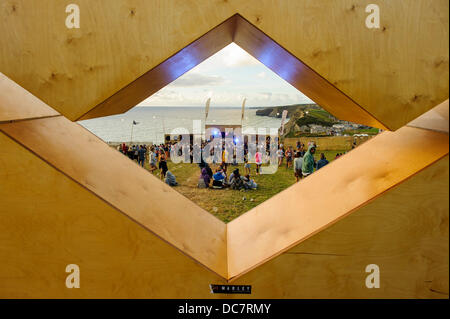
(243, 108)
(283, 119)
(207, 108)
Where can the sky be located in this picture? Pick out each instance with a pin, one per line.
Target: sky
(228, 77)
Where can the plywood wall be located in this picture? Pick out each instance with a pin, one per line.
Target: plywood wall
(53, 210)
(404, 232)
(43, 229)
(48, 221)
(396, 72)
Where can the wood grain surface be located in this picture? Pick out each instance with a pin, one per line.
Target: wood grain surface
(395, 73)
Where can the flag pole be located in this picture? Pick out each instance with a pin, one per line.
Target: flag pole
(131, 138)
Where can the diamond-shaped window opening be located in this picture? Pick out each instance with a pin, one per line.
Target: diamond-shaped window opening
(148, 128)
(229, 205)
(281, 222)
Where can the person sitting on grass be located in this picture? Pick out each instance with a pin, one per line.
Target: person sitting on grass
(170, 179)
(236, 181)
(308, 161)
(204, 179)
(322, 162)
(202, 164)
(219, 179)
(298, 161)
(249, 183)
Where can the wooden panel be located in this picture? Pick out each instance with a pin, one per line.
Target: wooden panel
(73, 70)
(166, 72)
(404, 232)
(300, 75)
(18, 104)
(113, 177)
(262, 48)
(48, 221)
(329, 194)
(396, 72)
(435, 119)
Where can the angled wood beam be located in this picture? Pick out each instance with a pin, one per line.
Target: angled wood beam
(435, 119)
(330, 194)
(254, 41)
(166, 72)
(19, 104)
(300, 75)
(129, 188)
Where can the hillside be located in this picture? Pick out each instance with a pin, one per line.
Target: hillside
(276, 111)
(312, 120)
(301, 117)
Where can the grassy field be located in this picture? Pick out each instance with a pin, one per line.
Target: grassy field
(227, 204)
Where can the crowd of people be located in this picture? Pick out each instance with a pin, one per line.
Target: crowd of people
(300, 159)
(220, 179)
(156, 155)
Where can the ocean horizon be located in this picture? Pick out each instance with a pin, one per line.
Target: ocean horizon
(155, 121)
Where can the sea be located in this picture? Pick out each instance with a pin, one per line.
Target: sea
(153, 122)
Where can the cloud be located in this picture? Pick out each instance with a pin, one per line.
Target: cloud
(227, 77)
(232, 56)
(197, 79)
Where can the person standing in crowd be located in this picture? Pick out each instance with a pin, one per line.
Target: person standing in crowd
(152, 160)
(130, 152)
(136, 153)
(298, 161)
(302, 150)
(247, 165)
(280, 155)
(289, 157)
(166, 151)
(224, 163)
(308, 161)
(147, 149)
(258, 161)
(141, 155)
(163, 167)
(124, 149)
(322, 162)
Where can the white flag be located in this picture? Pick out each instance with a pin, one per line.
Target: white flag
(283, 119)
(243, 108)
(207, 108)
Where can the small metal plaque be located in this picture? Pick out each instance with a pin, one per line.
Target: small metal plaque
(230, 289)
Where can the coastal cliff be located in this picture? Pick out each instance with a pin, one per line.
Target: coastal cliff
(276, 111)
